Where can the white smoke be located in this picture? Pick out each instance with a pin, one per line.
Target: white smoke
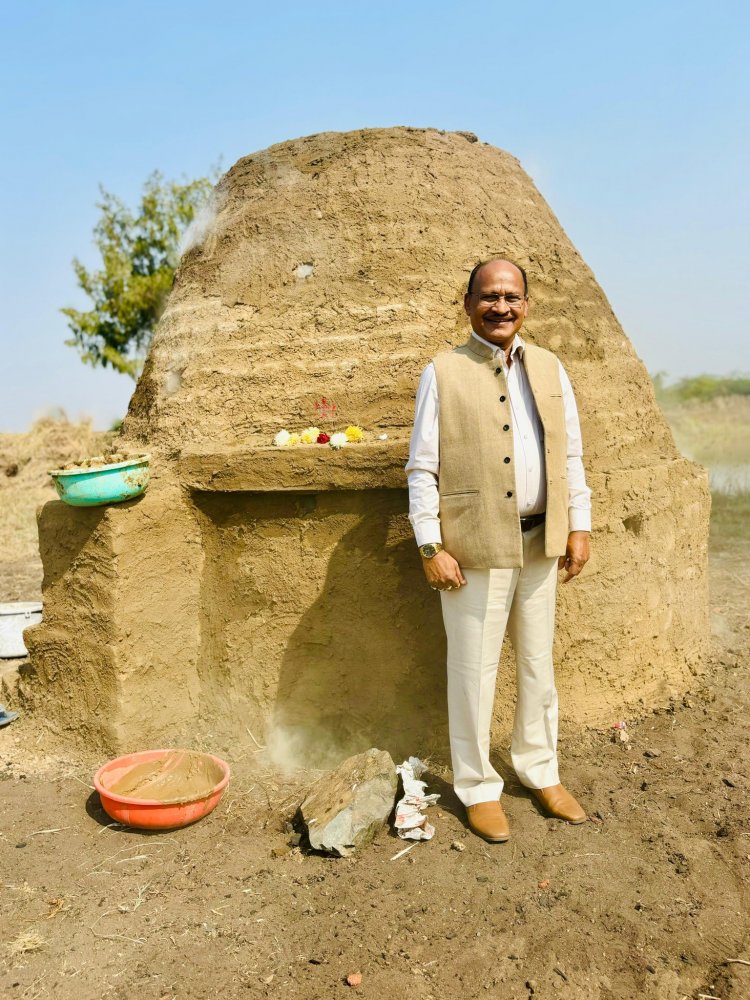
(201, 225)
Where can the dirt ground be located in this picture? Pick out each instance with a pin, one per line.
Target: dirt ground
(648, 899)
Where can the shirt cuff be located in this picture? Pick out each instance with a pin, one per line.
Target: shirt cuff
(579, 520)
(428, 530)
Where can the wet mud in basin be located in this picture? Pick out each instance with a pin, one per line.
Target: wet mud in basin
(180, 776)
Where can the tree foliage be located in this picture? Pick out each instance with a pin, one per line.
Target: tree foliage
(139, 255)
(702, 387)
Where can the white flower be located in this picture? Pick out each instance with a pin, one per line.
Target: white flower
(282, 439)
(309, 435)
(338, 440)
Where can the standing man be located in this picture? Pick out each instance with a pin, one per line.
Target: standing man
(499, 503)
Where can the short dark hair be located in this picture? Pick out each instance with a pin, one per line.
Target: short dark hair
(489, 261)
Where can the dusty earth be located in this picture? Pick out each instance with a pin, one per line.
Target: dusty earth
(648, 899)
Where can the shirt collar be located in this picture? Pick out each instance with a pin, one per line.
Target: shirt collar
(518, 346)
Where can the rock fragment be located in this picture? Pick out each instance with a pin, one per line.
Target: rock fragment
(345, 809)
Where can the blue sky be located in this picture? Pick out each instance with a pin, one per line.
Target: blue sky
(632, 120)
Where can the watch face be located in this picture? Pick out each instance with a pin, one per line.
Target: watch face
(428, 551)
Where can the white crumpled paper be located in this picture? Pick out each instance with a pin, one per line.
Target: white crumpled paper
(411, 822)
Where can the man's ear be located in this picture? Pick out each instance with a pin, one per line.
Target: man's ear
(466, 303)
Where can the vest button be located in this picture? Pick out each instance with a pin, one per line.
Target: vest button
(509, 493)
(502, 399)
(506, 427)
(506, 460)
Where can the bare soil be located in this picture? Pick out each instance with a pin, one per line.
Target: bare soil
(649, 898)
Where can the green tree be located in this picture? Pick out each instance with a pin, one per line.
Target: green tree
(139, 252)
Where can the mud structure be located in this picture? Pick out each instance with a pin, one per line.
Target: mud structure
(278, 592)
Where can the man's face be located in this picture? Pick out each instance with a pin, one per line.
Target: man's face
(497, 305)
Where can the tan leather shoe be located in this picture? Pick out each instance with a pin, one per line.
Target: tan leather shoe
(488, 820)
(557, 801)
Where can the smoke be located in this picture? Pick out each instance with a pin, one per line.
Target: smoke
(201, 226)
(311, 747)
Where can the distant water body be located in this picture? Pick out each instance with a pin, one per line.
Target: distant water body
(729, 479)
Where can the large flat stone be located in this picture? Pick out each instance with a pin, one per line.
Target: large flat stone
(346, 808)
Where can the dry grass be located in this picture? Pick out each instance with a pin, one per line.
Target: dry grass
(25, 460)
(27, 941)
(715, 433)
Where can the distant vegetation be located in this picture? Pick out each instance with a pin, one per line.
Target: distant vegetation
(701, 387)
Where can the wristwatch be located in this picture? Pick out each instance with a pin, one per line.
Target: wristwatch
(430, 550)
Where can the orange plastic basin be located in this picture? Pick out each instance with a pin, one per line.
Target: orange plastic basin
(148, 814)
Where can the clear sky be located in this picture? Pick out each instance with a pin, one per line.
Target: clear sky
(631, 118)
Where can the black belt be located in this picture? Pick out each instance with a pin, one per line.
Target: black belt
(527, 523)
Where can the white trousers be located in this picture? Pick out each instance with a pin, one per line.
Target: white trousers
(475, 618)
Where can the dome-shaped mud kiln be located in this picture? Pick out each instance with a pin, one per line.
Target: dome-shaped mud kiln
(279, 590)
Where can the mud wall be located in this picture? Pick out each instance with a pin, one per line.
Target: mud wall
(301, 618)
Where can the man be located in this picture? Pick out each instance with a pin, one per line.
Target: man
(498, 502)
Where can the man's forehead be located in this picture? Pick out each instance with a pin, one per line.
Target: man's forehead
(495, 271)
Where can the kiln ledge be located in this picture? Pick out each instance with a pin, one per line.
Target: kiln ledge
(302, 469)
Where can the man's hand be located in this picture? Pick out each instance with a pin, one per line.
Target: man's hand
(443, 572)
(576, 556)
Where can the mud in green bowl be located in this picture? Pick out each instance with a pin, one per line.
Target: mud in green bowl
(102, 484)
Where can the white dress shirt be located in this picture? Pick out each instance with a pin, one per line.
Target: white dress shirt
(528, 444)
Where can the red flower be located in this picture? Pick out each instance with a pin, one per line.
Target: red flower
(323, 438)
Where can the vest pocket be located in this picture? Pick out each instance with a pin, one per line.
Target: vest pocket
(460, 521)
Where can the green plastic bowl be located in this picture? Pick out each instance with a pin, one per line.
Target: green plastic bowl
(103, 483)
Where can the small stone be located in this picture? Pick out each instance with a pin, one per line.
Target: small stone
(345, 809)
(652, 753)
(354, 979)
(458, 846)
(544, 884)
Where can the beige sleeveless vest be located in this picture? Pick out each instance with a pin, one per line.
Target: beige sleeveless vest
(477, 484)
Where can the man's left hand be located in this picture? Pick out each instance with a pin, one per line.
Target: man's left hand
(577, 554)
